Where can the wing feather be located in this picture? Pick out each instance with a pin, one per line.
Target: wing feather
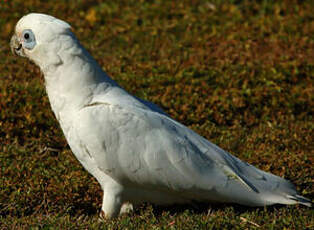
(143, 147)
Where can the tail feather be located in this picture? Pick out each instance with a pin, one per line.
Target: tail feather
(271, 188)
(301, 200)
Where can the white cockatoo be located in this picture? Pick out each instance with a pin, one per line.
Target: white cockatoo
(135, 151)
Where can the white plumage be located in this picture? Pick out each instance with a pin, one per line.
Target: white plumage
(135, 151)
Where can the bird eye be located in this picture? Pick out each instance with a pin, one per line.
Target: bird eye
(29, 40)
(26, 36)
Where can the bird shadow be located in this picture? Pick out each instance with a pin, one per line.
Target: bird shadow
(204, 208)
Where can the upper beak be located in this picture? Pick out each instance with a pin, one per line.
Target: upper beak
(16, 46)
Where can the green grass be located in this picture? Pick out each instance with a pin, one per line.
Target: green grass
(240, 73)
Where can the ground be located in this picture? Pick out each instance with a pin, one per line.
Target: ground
(240, 73)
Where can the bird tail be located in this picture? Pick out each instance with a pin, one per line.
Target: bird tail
(266, 189)
(297, 199)
(279, 190)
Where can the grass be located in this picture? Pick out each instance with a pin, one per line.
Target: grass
(240, 73)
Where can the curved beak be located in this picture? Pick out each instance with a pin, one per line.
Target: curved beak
(16, 46)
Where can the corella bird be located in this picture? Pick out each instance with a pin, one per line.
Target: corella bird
(135, 151)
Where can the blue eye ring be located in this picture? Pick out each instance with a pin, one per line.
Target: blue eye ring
(29, 40)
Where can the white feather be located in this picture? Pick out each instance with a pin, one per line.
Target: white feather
(137, 152)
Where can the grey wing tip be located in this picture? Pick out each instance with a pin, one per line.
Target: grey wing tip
(301, 200)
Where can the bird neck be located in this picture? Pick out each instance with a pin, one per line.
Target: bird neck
(72, 77)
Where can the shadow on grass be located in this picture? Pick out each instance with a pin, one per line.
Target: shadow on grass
(204, 208)
(89, 209)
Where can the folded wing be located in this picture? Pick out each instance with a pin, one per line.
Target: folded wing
(139, 147)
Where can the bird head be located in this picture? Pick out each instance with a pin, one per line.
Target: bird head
(36, 35)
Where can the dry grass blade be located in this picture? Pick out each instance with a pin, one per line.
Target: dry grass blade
(250, 222)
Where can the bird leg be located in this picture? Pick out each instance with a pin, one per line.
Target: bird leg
(112, 202)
